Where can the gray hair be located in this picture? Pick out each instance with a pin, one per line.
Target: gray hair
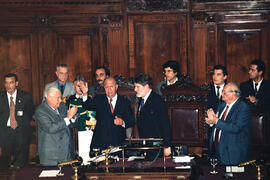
(50, 90)
(234, 88)
(62, 66)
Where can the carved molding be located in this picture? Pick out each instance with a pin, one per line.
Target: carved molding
(156, 5)
(185, 90)
(63, 2)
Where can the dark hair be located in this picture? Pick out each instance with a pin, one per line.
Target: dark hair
(223, 68)
(107, 71)
(143, 79)
(80, 78)
(63, 66)
(11, 75)
(173, 65)
(260, 65)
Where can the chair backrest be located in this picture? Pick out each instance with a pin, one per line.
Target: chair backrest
(186, 103)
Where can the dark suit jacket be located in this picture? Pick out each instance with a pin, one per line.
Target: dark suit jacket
(153, 120)
(263, 94)
(233, 146)
(24, 110)
(106, 133)
(212, 100)
(54, 139)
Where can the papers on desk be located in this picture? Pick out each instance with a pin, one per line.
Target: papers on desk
(49, 173)
(235, 169)
(132, 158)
(182, 159)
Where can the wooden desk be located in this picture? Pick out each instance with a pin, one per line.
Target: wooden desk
(142, 170)
(138, 173)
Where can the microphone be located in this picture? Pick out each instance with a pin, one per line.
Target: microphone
(61, 164)
(247, 163)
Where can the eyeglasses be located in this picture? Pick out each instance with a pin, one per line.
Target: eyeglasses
(226, 92)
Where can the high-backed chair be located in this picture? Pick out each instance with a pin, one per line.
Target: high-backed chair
(186, 103)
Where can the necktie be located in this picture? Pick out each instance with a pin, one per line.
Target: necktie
(255, 88)
(218, 92)
(141, 105)
(217, 130)
(13, 122)
(62, 89)
(111, 106)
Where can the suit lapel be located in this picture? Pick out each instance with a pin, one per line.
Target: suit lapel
(106, 104)
(261, 87)
(18, 100)
(53, 113)
(251, 87)
(233, 108)
(148, 101)
(117, 105)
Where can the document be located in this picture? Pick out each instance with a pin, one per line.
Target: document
(49, 173)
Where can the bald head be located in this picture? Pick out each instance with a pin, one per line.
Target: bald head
(110, 87)
(230, 93)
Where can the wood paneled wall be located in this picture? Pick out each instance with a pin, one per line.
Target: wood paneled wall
(130, 36)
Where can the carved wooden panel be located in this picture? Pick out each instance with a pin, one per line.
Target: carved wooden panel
(239, 46)
(16, 57)
(155, 39)
(76, 49)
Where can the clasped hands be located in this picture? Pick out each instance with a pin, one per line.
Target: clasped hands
(252, 99)
(212, 117)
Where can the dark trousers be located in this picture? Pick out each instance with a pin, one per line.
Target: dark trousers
(16, 144)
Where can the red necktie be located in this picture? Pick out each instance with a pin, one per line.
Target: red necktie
(217, 130)
(13, 122)
(111, 106)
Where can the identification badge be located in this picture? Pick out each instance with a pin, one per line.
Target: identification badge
(19, 113)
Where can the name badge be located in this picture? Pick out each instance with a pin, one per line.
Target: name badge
(19, 113)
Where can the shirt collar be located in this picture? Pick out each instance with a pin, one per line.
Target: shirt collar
(114, 98)
(13, 95)
(259, 83)
(146, 96)
(78, 96)
(221, 87)
(168, 82)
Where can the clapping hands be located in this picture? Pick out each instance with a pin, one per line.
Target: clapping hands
(212, 117)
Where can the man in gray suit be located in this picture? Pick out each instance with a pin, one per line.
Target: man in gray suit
(53, 122)
(65, 86)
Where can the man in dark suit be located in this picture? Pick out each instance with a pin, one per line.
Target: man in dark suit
(219, 78)
(171, 73)
(16, 111)
(152, 116)
(53, 122)
(101, 73)
(256, 91)
(113, 115)
(64, 85)
(230, 135)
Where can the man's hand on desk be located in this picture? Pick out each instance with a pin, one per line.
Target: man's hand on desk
(167, 151)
